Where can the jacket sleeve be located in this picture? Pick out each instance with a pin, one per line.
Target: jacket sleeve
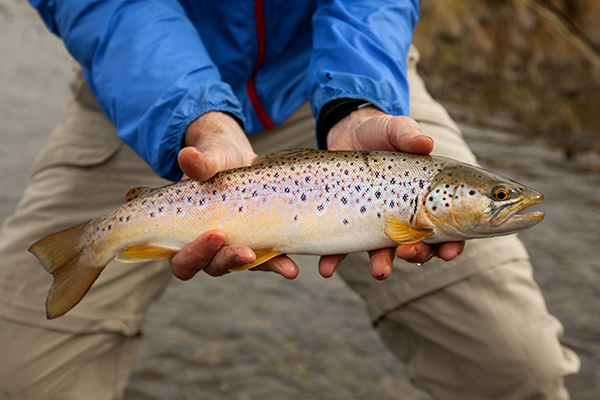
(148, 68)
(359, 52)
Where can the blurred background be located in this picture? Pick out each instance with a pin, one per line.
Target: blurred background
(520, 76)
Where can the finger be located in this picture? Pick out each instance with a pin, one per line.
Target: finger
(381, 263)
(415, 252)
(195, 256)
(229, 257)
(328, 264)
(406, 135)
(281, 265)
(450, 250)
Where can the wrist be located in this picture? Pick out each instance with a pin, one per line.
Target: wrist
(348, 124)
(332, 113)
(209, 124)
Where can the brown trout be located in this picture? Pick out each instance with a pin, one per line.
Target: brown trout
(294, 202)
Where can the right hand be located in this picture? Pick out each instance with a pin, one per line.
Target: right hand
(216, 142)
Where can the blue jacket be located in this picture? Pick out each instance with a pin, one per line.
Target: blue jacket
(156, 65)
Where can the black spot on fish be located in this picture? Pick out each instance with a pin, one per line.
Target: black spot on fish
(345, 222)
(307, 179)
(152, 214)
(392, 204)
(405, 197)
(363, 209)
(447, 205)
(303, 197)
(240, 209)
(287, 190)
(224, 197)
(320, 207)
(254, 194)
(344, 200)
(120, 219)
(296, 218)
(160, 209)
(406, 173)
(189, 198)
(472, 193)
(178, 210)
(434, 208)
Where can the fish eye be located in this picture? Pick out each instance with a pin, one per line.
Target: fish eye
(500, 193)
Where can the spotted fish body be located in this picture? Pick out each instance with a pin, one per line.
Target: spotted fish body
(296, 202)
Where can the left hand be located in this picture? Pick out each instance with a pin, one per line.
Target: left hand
(369, 128)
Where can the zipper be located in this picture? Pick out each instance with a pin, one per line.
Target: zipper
(259, 109)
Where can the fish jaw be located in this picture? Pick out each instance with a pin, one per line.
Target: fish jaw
(511, 216)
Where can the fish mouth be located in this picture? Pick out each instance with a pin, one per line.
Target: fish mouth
(513, 215)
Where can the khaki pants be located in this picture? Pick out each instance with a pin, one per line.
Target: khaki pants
(473, 328)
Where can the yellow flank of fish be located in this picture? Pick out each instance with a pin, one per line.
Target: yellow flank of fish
(294, 202)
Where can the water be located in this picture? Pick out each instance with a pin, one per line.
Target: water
(256, 335)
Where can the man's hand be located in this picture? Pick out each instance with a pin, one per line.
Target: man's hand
(371, 129)
(216, 142)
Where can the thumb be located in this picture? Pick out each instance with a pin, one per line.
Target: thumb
(197, 165)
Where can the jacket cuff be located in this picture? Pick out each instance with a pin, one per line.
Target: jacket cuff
(333, 112)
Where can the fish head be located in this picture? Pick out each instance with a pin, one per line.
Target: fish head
(469, 202)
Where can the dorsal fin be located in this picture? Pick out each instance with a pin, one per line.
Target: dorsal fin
(281, 154)
(134, 193)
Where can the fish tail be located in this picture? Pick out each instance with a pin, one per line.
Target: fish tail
(61, 255)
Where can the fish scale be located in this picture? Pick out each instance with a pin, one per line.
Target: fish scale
(295, 202)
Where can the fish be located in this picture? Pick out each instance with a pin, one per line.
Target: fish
(302, 201)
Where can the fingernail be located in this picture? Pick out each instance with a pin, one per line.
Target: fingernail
(240, 260)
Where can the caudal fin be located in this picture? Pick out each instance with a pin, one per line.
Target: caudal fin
(61, 255)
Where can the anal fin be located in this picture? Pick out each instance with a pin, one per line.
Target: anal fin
(401, 232)
(262, 256)
(147, 252)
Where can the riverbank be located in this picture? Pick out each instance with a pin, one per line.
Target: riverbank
(504, 58)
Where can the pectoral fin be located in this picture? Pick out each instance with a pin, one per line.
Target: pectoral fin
(262, 256)
(400, 232)
(148, 252)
